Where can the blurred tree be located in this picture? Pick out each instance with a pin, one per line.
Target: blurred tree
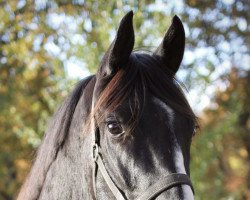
(217, 33)
(221, 161)
(31, 83)
(39, 38)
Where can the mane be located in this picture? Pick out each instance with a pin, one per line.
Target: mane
(53, 140)
(143, 72)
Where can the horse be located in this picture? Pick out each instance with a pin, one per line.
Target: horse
(124, 132)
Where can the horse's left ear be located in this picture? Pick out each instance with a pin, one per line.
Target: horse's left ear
(171, 50)
(120, 49)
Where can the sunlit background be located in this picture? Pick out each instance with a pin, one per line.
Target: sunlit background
(47, 46)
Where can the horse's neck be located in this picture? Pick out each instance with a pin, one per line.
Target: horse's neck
(72, 167)
(62, 169)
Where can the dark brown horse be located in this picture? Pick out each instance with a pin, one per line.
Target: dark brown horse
(123, 133)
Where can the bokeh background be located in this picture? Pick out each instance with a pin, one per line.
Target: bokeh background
(47, 46)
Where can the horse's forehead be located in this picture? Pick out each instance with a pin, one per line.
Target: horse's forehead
(166, 109)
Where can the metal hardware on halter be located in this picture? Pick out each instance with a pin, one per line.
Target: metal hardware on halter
(95, 151)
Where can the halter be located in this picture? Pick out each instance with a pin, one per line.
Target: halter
(153, 191)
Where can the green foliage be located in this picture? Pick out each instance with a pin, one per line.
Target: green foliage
(221, 153)
(29, 89)
(38, 37)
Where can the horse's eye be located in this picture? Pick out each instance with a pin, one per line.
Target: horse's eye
(115, 128)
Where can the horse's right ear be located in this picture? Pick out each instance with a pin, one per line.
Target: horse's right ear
(120, 49)
(171, 50)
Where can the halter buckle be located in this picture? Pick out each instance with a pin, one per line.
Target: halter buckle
(95, 152)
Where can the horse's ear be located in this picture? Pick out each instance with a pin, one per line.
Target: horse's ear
(171, 50)
(120, 49)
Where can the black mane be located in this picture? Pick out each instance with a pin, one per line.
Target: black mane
(143, 71)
